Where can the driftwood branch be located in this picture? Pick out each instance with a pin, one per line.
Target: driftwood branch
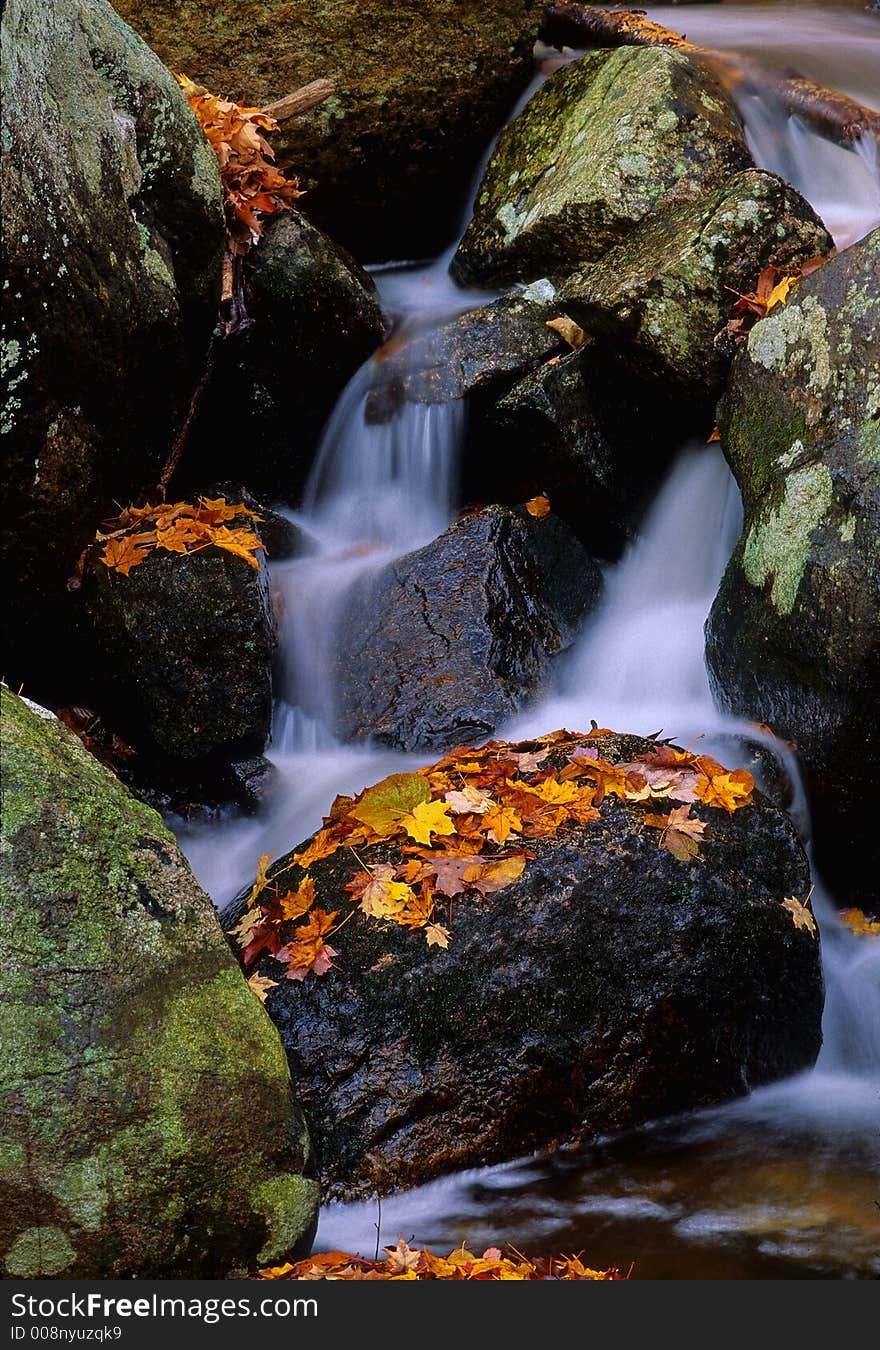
(831, 114)
(300, 101)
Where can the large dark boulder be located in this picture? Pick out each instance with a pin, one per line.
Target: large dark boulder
(182, 649)
(421, 88)
(448, 642)
(610, 984)
(793, 638)
(112, 238)
(662, 295)
(148, 1124)
(314, 319)
(607, 140)
(540, 417)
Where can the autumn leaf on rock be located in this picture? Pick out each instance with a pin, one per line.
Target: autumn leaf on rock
(538, 507)
(681, 832)
(568, 330)
(308, 951)
(729, 791)
(380, 896)
(801, 916)
(121, 555)
(470, 799)
(383, 807)
(260, 985)
(437, 935)
(427, 818)
(501, 823)
(494, 875)
(262, 876)
(296, 903)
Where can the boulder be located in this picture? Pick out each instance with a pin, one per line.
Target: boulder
(793, 638)
(183, 646)
(611, 983)
(148, 1124)
(449, 641)
(315, 320)
(113, 236)
(420, 90)
(541, 418)
(662, 295)
(607, 140)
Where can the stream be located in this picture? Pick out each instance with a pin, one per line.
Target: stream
(786, 1182)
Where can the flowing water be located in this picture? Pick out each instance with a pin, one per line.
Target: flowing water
(784, 1182)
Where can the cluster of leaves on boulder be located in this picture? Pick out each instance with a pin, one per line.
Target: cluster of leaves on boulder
(460, 830)
(178, 527)
(416, 1263)
(253, 188)
(771, 289)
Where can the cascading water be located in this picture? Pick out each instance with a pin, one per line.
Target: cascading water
(782, 1182)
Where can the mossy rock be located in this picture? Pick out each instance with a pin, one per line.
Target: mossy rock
(607, 140)
(113, 237)
(421, 88)
(661, 296)
(794, 635)
(148, 1123)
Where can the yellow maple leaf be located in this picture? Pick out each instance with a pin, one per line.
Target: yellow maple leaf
(262, 876)
(437, 935)
(800, 915)
(260, 985)
(501, 823)
(427, 818)
(298, 902)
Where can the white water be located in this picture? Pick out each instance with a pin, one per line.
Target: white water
(378, 491)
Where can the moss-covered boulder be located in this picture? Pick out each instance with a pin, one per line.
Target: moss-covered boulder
(661, 296)
(608, 139)
(183, 649)
(315, 319)
(794, 635)
(421, 87)
(112, 239)
(610, 983)
(448, 642)
(148, 1123)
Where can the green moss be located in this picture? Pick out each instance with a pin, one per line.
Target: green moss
(39, 1252)
(777, 544)
(288, 1204)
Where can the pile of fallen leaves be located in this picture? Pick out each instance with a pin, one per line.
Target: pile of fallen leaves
(416, 1263)
(460, 830)
(178, 528)
(771, 289)
(253, 187)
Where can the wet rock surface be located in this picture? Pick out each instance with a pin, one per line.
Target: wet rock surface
(610, 984)
(420, 89)
(447, 642)
(148, 1122)
(112, 239)
(183, 649)
(610, 138)
(794, 634)
(315, 319)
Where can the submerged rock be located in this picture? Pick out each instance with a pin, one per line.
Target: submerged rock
(149, 1127)
(420, 90)
(662, 295)
(315, 319)
(607, 140)
(611, 983)
(449, 641)
(113, 236)
(184, 647)
(793, 638)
